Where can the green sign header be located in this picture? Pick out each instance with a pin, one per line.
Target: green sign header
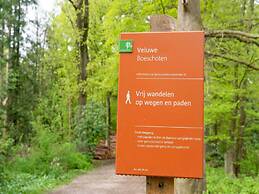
(126, 46)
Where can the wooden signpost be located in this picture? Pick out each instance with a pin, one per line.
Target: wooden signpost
(160, 128)
(161, 185)
(160, 107)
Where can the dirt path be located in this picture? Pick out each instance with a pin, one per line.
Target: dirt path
(102, 180)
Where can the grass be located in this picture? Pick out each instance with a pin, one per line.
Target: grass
(26, 183)
(219, 183)
(48, 164)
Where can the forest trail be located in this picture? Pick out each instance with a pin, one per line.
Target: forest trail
(102, 180)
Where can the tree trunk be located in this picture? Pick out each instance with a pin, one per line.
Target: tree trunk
(230, 156)
(9, 66)
(229, 160)
(82, 22)
(2, 40)
(69, 105)
(189, 15)
(108, 119)
(3, 75)
(242, 100)
(14, 28)
(240, 133)
(189, 19)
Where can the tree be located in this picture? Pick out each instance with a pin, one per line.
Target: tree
(12, 19)
(82, 24)
(241, 44)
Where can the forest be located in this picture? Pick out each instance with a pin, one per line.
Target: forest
(59, 87)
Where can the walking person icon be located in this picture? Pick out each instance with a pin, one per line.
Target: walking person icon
(128, 101)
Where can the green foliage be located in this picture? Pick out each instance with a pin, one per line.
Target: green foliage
(50, 156)
(6, 149)
(47, 163)
(41, 114)
(16, 74)
(26, 183)
(91, 126)
(250, 164)
(230, 85)
(218, 182)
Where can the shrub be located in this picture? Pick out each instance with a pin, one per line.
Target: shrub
(219, 182)
(46, 163)
(91, 127)
(49, 156)
(69, 158)
(5, 152)
(250, 164)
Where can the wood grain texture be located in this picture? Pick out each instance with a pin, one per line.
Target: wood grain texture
(161, 185)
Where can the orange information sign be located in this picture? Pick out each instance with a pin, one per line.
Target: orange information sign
(160, 105)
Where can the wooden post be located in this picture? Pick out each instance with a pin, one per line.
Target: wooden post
(161, 185)
(162, 23)
(189, 19)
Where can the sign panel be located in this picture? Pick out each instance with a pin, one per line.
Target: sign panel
(160, 105)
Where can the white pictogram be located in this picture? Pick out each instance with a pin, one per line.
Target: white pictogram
(128, 101)
(128, 45)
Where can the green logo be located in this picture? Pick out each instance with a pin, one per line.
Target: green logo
(126, 46)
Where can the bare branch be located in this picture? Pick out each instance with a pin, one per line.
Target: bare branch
(73, 4)
(162, 5)
(250, 65)
(241, 36)
(232, 32)
(68, 16)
